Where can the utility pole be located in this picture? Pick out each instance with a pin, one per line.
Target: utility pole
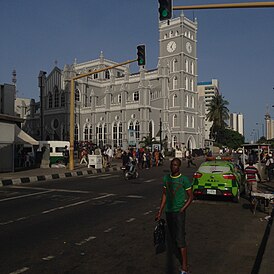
(41, 84)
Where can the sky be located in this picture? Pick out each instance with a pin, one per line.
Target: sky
(235, 46)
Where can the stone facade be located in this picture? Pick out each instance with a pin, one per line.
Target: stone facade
(120, 108)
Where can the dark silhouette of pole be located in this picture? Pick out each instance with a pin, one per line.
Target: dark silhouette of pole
(41, 84)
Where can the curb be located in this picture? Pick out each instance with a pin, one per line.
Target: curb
(40, 178)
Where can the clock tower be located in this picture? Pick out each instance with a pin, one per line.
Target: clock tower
(178, 38)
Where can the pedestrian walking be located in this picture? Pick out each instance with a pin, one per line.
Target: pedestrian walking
(190, 160)
(83, 156)
(269, 165)
(252, 176)
(176, 197)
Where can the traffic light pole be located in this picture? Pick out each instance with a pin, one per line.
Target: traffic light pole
(72, 99)
(227, 6)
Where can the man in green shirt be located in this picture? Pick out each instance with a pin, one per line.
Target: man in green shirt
(176, 197)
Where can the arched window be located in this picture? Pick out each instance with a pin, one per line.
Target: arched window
(174, 141)
(174, 100)
(175, 120)
(99, 134)
(174, 65)
(186, 100)
(136, 96)
(192, 122)
(56, 97)
(165, 36)
(77, 95)
(50, 100)
(192, 101)
(137, 130)
(107, 74)
(192, 67)
(105, 134)
(120, 134)
(175, 82)
(187, 121)
(131, 126)
(191, 84)
(86, 131)
(186, 83)
(115, 134)
(90, 133)
(76, 133)
(62, 99)
(187, 65)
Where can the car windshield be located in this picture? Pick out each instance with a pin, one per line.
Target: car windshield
(214, 169)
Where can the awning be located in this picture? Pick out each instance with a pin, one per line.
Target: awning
(21, 137)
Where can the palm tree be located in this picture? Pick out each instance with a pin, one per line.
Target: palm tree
(218, 114)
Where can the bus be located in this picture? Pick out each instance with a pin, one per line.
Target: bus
(56, 150)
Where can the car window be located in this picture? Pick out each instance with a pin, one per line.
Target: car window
(59, 149)
(214, 169)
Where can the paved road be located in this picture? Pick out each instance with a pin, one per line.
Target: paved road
(103, 224)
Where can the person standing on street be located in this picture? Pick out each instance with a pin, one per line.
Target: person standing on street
(252, 174)
(66, 155)
(176, 197)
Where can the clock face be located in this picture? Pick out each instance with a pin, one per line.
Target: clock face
(188, 47)
(171, 46)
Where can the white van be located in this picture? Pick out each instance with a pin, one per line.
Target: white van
(56, 150)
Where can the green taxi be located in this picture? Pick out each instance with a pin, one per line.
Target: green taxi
(219, 177)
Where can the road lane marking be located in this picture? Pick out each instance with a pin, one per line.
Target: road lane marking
(108, 230)
(20, 270)
(135, 196)
(51, 189)
(66, 206)
(148, 212)
(24, 196)
(104, 196)
(149, 181)
(130, 220)
(48, 258)
(86, 240)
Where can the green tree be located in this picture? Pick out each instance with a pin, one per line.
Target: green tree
(218, 114)
(230, 138)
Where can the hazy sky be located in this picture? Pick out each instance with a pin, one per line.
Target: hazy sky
(235, 46)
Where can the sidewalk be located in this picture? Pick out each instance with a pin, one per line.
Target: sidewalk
(43, 174)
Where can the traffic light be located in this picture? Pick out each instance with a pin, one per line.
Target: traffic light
(141, 53)
(165, 9)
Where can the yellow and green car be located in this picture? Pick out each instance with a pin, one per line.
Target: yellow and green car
(219, 177)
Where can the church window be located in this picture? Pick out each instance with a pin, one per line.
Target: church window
(186, 101)
(50, 100)
(119, 98)
(174, 141)
(186, 83)
(187, 121)
(131, 126)
(192, 67)
(76, 133)
(107, 74)
(165, 36)
(136, 96)
(175, 82)
(192, 121)
(191, 84)
(90, 132)
(174, 99)
(120, 140)
(174, 65)
(175, 120)
(95, 75)
(56, 97)
(62, 99)
(86, 133)
(177, 33)
(171, 33)
(77, 95)
(187, 66)
(192, 101)
(137, 130)
(115, 134)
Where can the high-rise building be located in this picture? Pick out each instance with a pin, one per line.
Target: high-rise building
(207, 91)
(236, 122)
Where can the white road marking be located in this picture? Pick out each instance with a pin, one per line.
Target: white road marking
(130, 220)
(51, 189)
(66, 206)
(149, 181)
(24, 196)
(108, 230)
(20, 270)
(86, 240)
(48, 258)
(99, 175)
(148, 212)
(104, 196)
(135, 196)
(105, 178)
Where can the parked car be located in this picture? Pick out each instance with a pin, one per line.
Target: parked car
(219, 177)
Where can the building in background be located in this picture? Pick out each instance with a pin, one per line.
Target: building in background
(111, 104)
(207, 91)
(236, 122)
(269, 127)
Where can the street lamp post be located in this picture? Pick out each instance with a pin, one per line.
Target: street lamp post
(41, 84)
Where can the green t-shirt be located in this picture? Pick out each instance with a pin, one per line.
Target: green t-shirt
(175, 192)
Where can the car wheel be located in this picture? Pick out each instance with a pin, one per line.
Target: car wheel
(236, 199)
